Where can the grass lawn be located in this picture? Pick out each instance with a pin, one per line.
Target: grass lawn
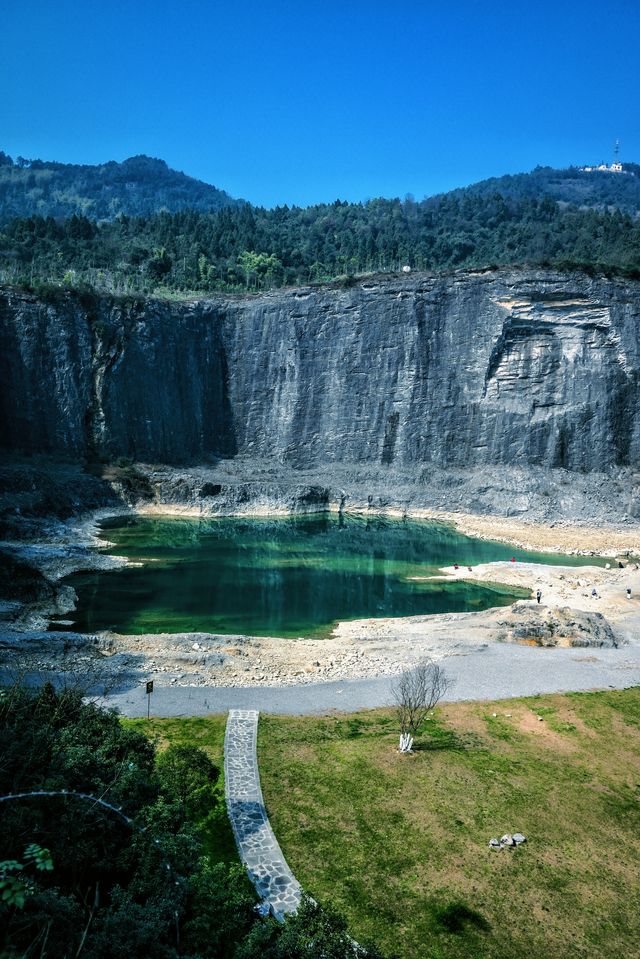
(400, 843)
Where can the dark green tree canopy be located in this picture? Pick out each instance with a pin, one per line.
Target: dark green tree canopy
(250, 248)
(138, 186)
(128, 877)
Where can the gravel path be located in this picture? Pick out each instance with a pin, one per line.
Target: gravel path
(495, 672)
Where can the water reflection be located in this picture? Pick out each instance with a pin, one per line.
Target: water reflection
(283, 577)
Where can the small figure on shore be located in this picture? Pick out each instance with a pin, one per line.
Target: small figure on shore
(594, 593)
(455, 566)
(470, 569)
(620, 565)
(628, 592)
(538, 595)
(513, 559)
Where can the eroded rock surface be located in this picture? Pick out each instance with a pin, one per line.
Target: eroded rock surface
(520, 368)
(559, 626)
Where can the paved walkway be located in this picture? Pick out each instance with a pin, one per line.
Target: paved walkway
(257, 844)
(498, 671)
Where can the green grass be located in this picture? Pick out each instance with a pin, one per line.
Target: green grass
(400, 843)
(208, 734)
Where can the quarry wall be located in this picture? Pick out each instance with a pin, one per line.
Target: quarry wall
(515, 367)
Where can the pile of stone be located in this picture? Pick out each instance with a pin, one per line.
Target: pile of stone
(561, 626)
(508, 841)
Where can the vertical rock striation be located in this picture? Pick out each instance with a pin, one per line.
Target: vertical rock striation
(520, 368)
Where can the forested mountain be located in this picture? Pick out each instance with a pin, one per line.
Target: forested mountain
(598, 189)
(562, 218)
(253, 248)
(138, 186)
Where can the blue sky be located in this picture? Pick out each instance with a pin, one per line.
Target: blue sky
(309, 101)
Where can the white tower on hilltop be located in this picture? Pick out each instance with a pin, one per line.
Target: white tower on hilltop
(616, 166)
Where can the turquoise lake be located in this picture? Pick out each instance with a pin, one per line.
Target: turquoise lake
(293, 576)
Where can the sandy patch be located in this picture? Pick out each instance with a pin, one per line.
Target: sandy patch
(557, 538)
(533, 724)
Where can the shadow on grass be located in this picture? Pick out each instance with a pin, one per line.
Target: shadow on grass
(217, 835)
(457, 917)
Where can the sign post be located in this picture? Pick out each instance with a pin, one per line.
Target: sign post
(149, 691)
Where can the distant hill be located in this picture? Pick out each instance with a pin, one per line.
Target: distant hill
(142, 186)
(188, 237)
(596, 190)
(139, 186)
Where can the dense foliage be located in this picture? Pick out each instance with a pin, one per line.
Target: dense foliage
(597, 189)
(254, 248)
(139, 227)
(139, 186)
(77, 879)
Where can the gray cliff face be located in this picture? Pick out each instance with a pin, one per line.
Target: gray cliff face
(519, 368)
(148, 381)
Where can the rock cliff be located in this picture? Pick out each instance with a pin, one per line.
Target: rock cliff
(523, 369)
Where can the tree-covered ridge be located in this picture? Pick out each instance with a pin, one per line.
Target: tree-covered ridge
(598, 189)
(138, 186)
(142, 186)
(249, 248)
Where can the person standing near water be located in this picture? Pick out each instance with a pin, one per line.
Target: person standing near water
(538, 595)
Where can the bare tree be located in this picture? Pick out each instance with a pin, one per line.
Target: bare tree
(415, 692)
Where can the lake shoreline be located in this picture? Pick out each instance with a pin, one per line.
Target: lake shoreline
(567, 538)
(359, 650)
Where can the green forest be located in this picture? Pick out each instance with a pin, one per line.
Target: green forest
(137, 186)
(138, 227)
(598, 189)
(248, 248)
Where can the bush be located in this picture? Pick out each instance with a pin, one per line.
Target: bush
(131, 881)
(187, 779)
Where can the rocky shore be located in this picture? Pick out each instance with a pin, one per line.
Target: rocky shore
(570, 614)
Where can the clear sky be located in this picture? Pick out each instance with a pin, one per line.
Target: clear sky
(305, 102)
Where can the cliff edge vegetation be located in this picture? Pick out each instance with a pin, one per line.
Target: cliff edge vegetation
(140, 227)
(247, 249)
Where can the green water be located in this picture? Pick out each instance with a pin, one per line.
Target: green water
(282, 577)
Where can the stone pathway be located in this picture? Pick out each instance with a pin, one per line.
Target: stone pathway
(257, 844)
